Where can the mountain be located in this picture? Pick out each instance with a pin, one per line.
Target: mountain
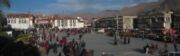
(135, 10)
(100, 14)
(132, 11)
(161, 5)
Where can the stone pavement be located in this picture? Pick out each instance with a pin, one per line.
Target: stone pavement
(101, 43)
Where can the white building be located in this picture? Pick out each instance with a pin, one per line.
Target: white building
(20, 21)
(167, 19)
(68, 22)
(128, 22)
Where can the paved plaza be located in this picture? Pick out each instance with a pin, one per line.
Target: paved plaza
(101, 43)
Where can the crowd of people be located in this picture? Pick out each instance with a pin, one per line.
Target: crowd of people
(49, 39)
(153, 48)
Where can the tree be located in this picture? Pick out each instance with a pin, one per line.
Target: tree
(3, 21)
(3, 3)
(9, 47)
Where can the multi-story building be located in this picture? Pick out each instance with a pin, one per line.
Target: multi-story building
(157, 20)
(108, 22)
(20, 21)
(64, 22)
(25, 21)
(123, 22)
(128, 22)
(44, 21)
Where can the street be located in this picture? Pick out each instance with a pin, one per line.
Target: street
(100, 43)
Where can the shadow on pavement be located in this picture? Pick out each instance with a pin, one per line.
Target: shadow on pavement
(110, 42)
(139, 50)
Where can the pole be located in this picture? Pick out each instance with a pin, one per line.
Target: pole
(94, 25)
(117, 31)
(178, 27)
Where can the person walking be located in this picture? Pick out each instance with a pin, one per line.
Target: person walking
(46, 46)
(66, 50)
(128, 40)
(175, 46)
(146, 49)
(68, 33)
(59, 54)
(166, 47)
(80, 36)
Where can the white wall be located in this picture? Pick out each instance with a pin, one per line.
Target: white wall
(77, 25)
(17, 25)
(128, 22)
(168, 20)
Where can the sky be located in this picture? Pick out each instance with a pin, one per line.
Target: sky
(70, 6)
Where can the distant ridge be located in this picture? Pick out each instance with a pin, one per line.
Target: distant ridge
(134, 10)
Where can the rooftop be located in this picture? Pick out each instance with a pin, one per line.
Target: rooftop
(22, 15)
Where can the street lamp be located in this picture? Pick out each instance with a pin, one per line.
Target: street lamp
(94, 24)
(117, 31)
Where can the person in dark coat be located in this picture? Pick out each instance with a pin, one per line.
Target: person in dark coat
(59, 54)
(66, 50)
(175, 46)
(80, 36)
(146, 48)
(83, 52)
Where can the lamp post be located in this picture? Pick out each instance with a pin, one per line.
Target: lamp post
(117, 31)
(178, 28)
(94, 24)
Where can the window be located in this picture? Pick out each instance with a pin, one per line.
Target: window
(71, 22)
(22, 21)
(168, 19)
(64, 23)
(59, 22)
(13, 20)
(8, 21)
(74, 22)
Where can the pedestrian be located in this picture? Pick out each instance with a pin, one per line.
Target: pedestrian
(128, 40)
(103, 54)
(146, 49)
(66, 50)
(175, 46)
(165, 47)
(156, 46)
(68, 33)
(59, 54)
(83, 52)
(46, 45)
(83, 44)
(60, 42)
(80, 36)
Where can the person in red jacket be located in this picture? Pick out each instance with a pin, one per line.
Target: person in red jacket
(46, 46)
(63, 41)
